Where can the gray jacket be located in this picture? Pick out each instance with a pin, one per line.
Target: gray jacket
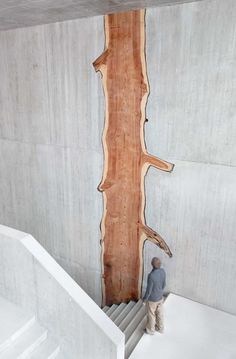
(155, 285)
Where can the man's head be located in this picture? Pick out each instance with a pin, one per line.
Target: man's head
(156, 263)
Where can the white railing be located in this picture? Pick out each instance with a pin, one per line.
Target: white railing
(31, 278)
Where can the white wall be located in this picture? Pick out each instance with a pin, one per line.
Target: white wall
(32, 279)
(51, 122)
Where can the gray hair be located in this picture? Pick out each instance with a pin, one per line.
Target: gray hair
(156, 262)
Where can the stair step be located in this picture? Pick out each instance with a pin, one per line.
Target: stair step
(132, 326)
(131, 320)
(47, 350)
(126, 321)
(16, 322)
(117, 311)
(111, 309)
(25, 344)
(123, 314)
(61, 356)
(135, 337)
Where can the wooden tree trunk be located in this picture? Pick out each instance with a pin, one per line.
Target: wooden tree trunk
(126, 89)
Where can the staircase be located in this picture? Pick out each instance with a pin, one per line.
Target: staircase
(131, 319)
(21, 336)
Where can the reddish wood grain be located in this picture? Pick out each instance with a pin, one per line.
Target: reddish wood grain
(123, 227)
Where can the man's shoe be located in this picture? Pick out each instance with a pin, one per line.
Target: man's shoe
(148, 332)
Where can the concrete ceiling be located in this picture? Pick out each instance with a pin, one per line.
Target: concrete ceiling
(22, 13)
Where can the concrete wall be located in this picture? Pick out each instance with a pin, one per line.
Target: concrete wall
(51, 122)
(51, 157)
(191, 52)
(32, 279)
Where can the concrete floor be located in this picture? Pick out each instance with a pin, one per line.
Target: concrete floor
(192, 331)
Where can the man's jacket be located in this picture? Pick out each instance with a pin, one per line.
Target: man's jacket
(155, 285)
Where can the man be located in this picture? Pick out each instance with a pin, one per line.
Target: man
(154, 297)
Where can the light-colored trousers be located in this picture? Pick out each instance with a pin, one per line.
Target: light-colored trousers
(154, 317)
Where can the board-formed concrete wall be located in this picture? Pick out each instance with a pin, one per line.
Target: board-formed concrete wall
(51, 157)
(191, 53)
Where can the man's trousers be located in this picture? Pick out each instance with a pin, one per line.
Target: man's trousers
(155, 317)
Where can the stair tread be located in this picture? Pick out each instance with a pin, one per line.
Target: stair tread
(111, 309)
(135, 337)
(124, 312)
(47, 350)
(15, 322)
(136, 319)
(105, 309)
(137, 333)
(131, 319)
(134, 323)
(117, 311)
(126, 321)
(25, 344)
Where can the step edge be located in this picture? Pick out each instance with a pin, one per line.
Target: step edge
(52, 350)
(129, 347)
(111, 310)
(36, 343)
(114, 311)
(21, 331)
(105, 309)
(138, 317)
(126, 308)
(24, 352)
(136, 308)
(135, 331)
(55, 353)
(124, 305)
